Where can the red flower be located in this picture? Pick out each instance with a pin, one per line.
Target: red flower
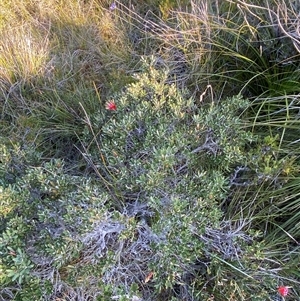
(111, 106)
(283, 290)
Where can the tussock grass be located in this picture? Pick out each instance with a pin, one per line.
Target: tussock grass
(24, 53)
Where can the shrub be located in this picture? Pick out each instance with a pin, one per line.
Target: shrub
(168, 160)
(43, 213)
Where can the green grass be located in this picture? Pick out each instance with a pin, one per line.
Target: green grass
(189, 190)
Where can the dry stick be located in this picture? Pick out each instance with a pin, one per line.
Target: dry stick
(295, 40)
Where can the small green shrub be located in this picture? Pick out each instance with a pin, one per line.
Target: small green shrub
(43, 213)
(172, 162)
